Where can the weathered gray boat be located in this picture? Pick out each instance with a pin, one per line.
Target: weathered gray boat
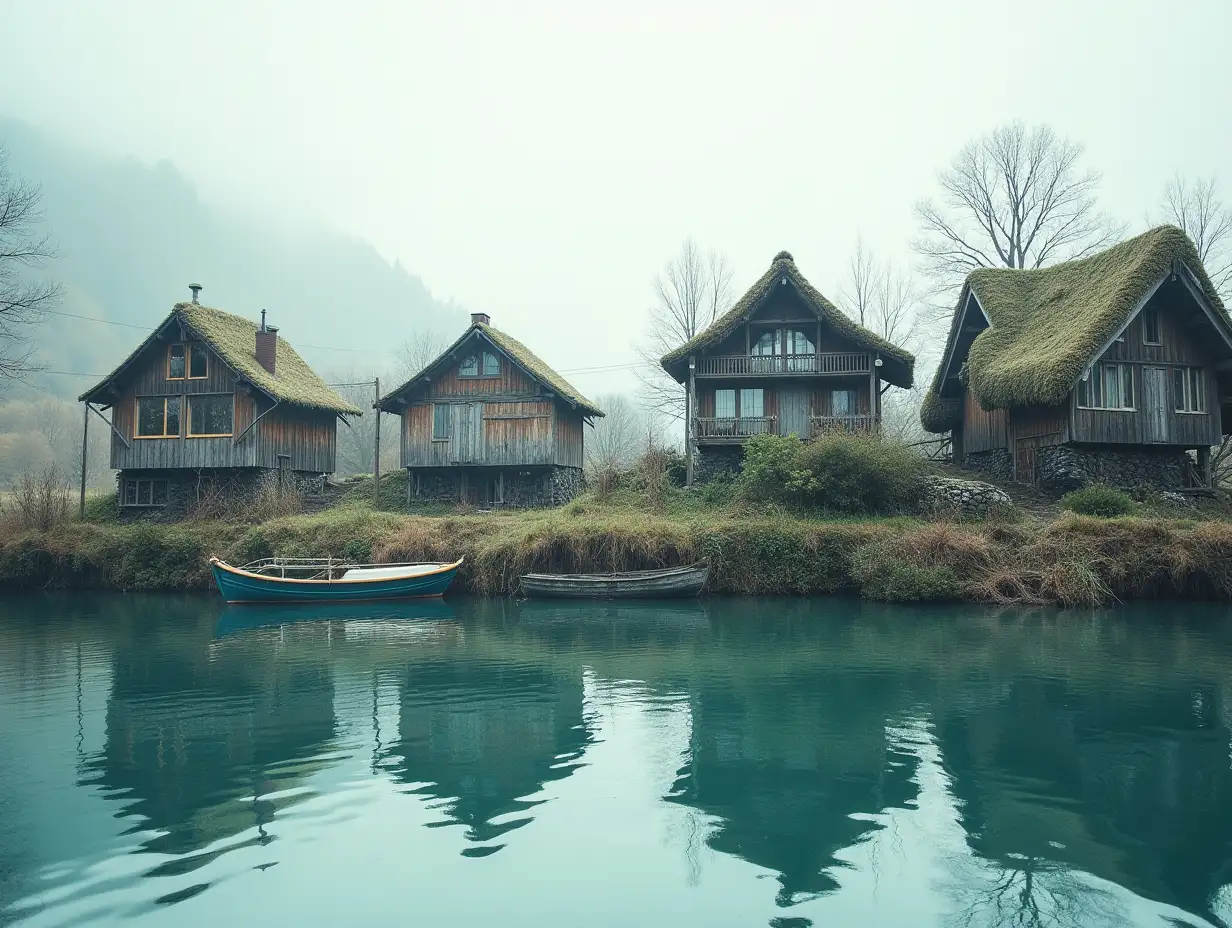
(636, 584)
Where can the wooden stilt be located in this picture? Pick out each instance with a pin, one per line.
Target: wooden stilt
(85, 452)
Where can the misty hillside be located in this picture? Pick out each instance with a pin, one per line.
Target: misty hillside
(132, 236)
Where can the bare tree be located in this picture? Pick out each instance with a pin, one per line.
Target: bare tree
(880, 296)
(690, 293)
(1196, 207)
(856, 292)
(23, 247)
(420, 350)
(1016, 197)
(618, 436)
(355, 437)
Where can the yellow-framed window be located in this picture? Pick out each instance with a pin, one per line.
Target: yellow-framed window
(158, 417)
(211, 415)
(177, 365)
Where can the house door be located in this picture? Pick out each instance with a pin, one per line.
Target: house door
(1024, 461)
(1155, 405)
(467, 432)
(794, 412)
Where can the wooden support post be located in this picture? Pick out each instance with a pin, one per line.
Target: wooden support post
(85, 451)
(690, 401)
(500, 486)
(1204, 465)
(875, 400)
(376, 446)
(872, 390)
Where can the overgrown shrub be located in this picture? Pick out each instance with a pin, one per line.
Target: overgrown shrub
(38, 502)
(1098, 500)
(843, 472)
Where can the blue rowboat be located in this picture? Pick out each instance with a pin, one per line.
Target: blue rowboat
(322, 580)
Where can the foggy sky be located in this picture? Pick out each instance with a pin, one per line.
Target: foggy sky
(540, 160)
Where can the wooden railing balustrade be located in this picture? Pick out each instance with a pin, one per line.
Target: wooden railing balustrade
(824, 424)
(835, 362)
(741, 427)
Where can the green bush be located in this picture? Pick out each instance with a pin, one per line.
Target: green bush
(882, 572)
(770, 461)
(1098, 500)
(850, 473)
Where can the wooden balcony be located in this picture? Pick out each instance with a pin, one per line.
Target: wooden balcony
(730, 431)
(836, 363)
(824, 424)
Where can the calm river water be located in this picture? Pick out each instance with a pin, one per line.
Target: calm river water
(169, 761)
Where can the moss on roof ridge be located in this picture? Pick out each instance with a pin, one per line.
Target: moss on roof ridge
(533, 363)
(516, 350)
(234, 339)
(1047, 324)
(784, 264)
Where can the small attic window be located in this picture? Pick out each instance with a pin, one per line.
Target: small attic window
(1151, 334)
(469, 367)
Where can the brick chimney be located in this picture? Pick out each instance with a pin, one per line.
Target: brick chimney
(267, 345)
(477, 318)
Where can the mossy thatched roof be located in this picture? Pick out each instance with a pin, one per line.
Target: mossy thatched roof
(1047, 325)
(234, 339)
(898, 364)
(519, 353)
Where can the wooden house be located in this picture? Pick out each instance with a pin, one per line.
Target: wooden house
(215, 400)
(489, 423)
(783, 360)
(1109, 369)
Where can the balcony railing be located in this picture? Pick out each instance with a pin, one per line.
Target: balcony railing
(734, 428)
(824, 424)
(838, 362)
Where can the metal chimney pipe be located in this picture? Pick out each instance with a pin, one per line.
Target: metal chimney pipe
(262, 320)
(196, 289)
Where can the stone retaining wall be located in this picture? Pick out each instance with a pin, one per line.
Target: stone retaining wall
(188, 488)
(971, 499)
(717, 461)
(997, 462)
(1061, 468)
(525, 489)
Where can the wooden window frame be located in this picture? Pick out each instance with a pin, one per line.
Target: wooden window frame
(188, 351)
(188, 432)
(135, 483)
(1084, 386)
(1159, 329)
(480, 371)
(137, 416)
(1191, 376)
(448, 421)
(170, 349)
(740, 413)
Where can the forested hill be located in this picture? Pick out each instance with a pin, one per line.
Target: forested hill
(132, 236)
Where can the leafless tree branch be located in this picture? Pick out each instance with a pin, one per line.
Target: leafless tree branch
(1196, 207)
(1016, 197)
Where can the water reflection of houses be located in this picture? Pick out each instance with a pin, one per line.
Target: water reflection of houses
(485, 737)
(1132, 786)
(190, 729)
(789, 767)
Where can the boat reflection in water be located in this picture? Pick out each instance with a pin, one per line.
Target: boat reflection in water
(236, 619)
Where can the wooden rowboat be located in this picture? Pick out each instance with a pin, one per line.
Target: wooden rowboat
(637, 584)
(323, 580)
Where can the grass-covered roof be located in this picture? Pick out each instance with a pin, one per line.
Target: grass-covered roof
(898, 364)
(234, 339)
(1047, 325)
(520, 354)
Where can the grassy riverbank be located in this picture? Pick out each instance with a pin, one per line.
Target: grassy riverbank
(1070, 560)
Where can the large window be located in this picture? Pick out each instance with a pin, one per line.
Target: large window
(842, 402)
(491, 365)
(187, 360)
(1151, 334)
(210, 415)
(471, 365)
(752, 403)
(1108, 386)
(440, 422)
(1189, 389)
(766, 344)
(158, 416)
(725, 404)
(145, 492)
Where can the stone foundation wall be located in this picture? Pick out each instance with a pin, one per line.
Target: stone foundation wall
(1061, 468)
(189, 488)
(967, 499)
(525, 489)
(717, 461)
(998, 463)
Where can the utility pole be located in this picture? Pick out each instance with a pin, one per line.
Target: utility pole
(690, 391)
(85, 450)
(376, 446)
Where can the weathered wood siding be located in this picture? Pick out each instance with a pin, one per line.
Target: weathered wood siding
(569, 438)
(512, 381)
(309, 437)
(531, 433)
(982, 429)
(1180, 348)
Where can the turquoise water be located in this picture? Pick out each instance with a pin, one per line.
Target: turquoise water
(168, 761)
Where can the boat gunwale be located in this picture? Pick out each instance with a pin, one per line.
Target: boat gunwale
(620, 577)
(223, 565)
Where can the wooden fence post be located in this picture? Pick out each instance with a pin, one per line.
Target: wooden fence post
(376, 447)
(85, 450)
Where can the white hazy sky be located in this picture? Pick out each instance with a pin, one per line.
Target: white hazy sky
(541, 160)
